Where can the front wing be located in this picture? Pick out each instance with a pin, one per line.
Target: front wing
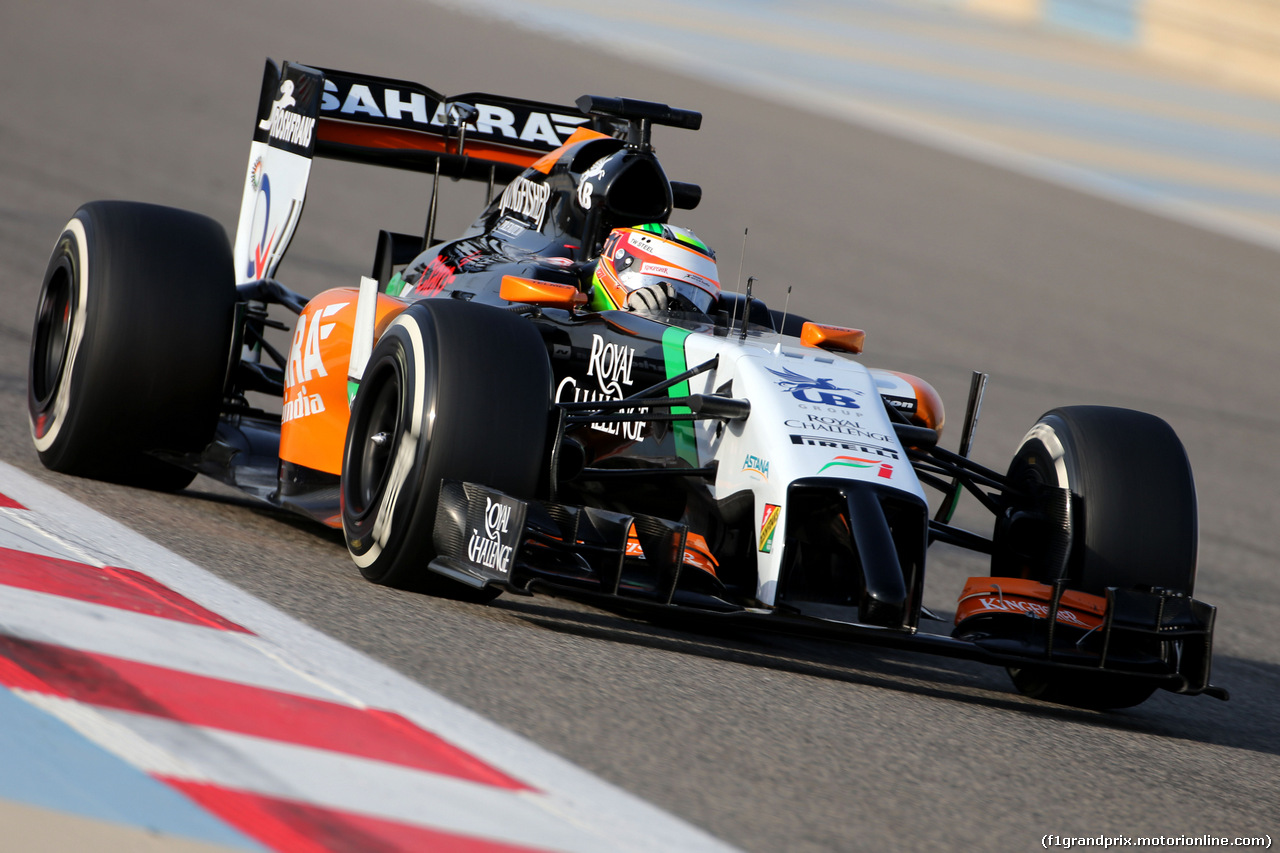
(486, 538)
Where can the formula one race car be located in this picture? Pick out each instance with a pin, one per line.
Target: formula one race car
(485, 414)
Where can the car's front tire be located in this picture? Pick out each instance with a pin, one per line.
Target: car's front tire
(1132, 524)
(451, 391)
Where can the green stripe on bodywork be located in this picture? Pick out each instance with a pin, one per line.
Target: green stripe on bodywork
(673, 355)
(396, 285)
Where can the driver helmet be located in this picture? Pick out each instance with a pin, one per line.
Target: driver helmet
(647, 255)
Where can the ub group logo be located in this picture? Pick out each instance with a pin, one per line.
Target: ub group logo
(817, 391)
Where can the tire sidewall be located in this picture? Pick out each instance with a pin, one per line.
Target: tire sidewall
(49, 415)
(391, 521)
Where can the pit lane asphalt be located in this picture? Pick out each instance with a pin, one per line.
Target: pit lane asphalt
(769, 743)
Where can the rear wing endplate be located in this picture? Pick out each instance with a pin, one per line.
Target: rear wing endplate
(284, 140)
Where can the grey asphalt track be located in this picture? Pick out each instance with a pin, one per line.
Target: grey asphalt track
(769, 743)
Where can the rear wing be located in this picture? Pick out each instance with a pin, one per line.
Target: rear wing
(306, 112)
(404, 125)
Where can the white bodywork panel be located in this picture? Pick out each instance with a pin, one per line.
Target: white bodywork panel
(813, 414)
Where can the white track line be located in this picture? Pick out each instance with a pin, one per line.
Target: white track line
(589, 813)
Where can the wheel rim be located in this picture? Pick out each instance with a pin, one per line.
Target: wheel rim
(379, 431)
(52, 337)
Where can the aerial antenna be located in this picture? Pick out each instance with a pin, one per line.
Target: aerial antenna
(738, 282)
(746, 311)
(783, 325)
(459, 115)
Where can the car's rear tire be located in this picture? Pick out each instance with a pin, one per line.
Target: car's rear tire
(131, 340)
(1133, 524)
(452, 391)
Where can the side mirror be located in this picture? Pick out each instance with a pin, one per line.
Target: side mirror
(545, 294)
(832, 337)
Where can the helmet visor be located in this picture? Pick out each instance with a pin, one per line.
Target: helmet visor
(692, 288)
(655, 259)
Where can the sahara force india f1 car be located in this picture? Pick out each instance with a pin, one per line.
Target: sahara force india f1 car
(477, 422)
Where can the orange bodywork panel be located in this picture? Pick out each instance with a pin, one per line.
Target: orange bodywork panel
(832, 337)
(929, 410)
(698, 554)
(547, 294)
(371, 136)
(1021, 597)
(314, 419)
(582, 134)
(696, 551)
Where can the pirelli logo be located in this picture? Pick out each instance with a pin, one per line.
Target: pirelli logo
(844, 444)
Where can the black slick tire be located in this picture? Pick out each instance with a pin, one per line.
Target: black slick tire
(452, 391)
(131, 340)
(1132, 524)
